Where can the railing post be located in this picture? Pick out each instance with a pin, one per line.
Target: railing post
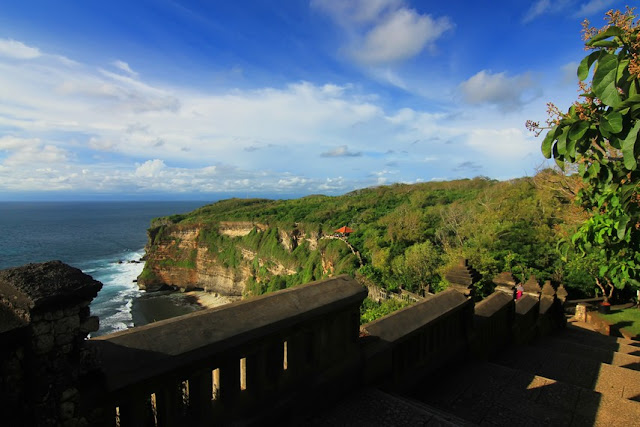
(201, 395)
(136, 411)
(312, 319)
(170, 404)
(47, 305)
(229, 382)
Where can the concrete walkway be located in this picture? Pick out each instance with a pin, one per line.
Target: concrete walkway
(576, 378)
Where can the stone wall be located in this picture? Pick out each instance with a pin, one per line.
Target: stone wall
(43, 355)
(253, 361)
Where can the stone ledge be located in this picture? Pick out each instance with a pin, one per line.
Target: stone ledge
(37, 286)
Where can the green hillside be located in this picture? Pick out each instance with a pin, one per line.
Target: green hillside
(407, 235)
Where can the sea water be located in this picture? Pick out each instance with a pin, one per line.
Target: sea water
(104, 239)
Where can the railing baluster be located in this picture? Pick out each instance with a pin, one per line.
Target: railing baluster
(136, 411)
(201, 395)
(229, 382)
(170, 404)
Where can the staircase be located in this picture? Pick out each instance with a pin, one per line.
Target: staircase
(576, 377)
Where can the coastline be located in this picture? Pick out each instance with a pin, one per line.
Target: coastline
(210, 299)
(151, 307)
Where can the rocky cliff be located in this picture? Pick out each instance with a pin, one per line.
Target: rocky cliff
(237, 257)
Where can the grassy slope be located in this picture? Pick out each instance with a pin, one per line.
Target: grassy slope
(628, 319)
(499, 226)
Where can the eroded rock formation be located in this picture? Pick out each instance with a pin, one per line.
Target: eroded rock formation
(214, 257)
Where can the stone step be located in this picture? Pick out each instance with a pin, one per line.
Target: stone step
(596, 353)
(372, 407)
(610, 380)
(493, 395)
(587, 340)
(585, 330)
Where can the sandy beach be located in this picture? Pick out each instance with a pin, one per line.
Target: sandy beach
(211, 299)
(153, 306)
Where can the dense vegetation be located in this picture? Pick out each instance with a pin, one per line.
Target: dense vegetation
(579, 224)
(599, 135)
(407, 235)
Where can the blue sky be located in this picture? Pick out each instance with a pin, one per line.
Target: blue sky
(204, 99)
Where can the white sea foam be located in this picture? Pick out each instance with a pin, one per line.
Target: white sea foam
(113, 303)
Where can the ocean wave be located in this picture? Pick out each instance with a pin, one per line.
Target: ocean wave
(114, 302)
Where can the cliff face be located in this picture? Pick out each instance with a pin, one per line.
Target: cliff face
(229, 257)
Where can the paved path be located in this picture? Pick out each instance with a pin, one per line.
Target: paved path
(575, 378)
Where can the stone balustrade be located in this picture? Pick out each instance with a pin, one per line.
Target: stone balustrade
(493, 323)
(412, 342)
(253, 361)
(227, 362)
(44, 319)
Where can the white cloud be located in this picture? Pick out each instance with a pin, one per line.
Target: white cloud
(18, 50)
(537, 9)
(569, 72)
(592, 6)
(150, 168)
(389, 76)
(357, 11)
(124, 67)
(342, 151)
(498, 89)
(402, 34)
(100, 144)
(81, 128)
(566, 7)
(30, 152)
(12, 143)
(383, 32)
(509, 143)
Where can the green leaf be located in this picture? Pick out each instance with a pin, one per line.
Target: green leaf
(622, 226)
(571, 149)
(632, 99)
(627, 191)
(602, 270)
(578, 130)
(606, 43)
(548, 140)
(621, 71)
(609, 175)
(628, 145)
(611, 122)
(604, 80)
(562, 142)
(585, 65)
(609, 32)
(615, 142)
(582, 169)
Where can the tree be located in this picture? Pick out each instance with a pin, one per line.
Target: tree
(422, 261)
(600, 133)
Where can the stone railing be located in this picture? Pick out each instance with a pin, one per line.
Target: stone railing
(234, 361)
(379, 294)
(44, 318)
(493, 323)
(255, 361)
(410, 343)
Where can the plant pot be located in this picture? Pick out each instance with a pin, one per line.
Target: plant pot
(604, 308)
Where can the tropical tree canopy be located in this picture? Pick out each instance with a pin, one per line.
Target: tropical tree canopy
(600, 135)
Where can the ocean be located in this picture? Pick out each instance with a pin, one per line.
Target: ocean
(103, 239)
